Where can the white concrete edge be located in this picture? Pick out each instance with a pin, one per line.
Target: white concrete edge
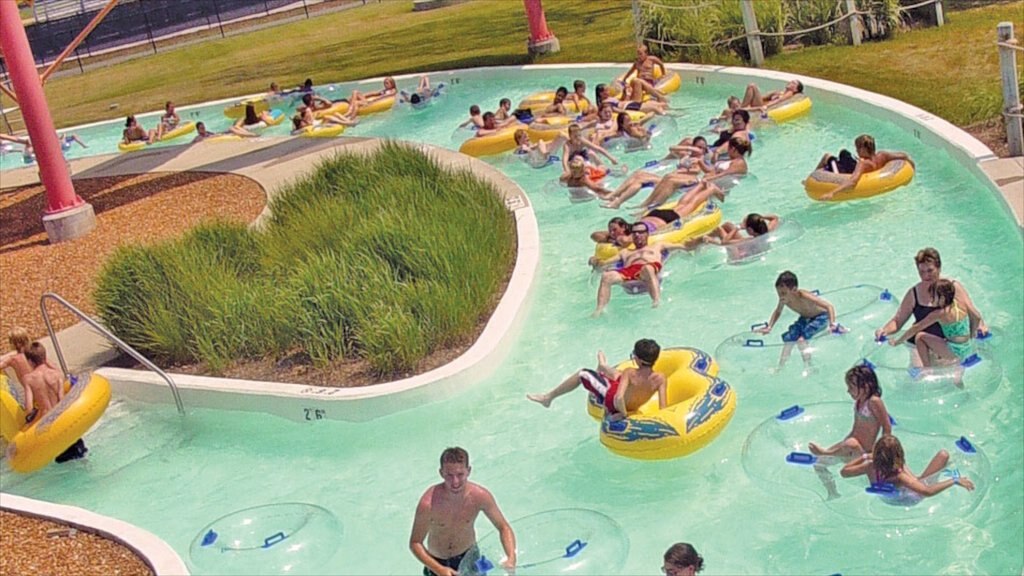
(160, 557)
(506, 316)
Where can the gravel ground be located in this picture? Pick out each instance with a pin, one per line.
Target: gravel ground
(129, 210)
(34, 546)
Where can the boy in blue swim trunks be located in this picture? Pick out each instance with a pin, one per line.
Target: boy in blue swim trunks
(816, 314)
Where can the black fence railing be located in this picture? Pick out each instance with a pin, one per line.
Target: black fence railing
(146, 21)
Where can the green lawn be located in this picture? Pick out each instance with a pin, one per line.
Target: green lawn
(388, 38)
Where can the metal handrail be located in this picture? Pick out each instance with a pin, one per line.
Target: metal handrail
(106, 334)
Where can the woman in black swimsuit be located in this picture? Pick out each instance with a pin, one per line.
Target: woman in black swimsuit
(919, 299)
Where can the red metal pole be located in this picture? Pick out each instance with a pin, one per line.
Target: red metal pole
(541, 39)
(53, 170)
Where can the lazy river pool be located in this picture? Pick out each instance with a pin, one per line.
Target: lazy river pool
(742, 506)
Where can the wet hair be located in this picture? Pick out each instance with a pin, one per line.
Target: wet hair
(18, 337)
(741, 145)
(597, 93)
(645, 349)
(577, 84)
(35, 354)
(945, 291)
(455, 455)
(474, 110)
(620, 120)
(200, 126)
(756, 224)
(128, 121)
(697, 139)
(620, 221)
(928, 254)
(308, 83)
(250, 115)
(504, 101)
(799, 87)
(888, 457)
(866, 142)
(562, 91)
(488, 116)
(731, 99)
(415, 98)
(742, 114)
(863, 377)
(683, 555)
(307, 99)
(520, 134)
(786, 280)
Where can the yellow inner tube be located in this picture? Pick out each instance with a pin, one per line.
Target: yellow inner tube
(501, 141)
(891, 176)
(321, 131)
(699, 406)
(181, 130)
(237, 111)
(700, 222)
(666, 83)
(789, 109)
(379, 105)
(539, 101)
(131, 147)
(35, 445)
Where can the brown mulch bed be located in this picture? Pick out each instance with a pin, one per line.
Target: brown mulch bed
(34, 546)
(992, 133)
(130, 210)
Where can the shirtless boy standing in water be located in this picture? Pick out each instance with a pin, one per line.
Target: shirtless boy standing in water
(445, 517)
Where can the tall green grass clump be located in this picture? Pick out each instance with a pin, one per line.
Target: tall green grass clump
(386, 258)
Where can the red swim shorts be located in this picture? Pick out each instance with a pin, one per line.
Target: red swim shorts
(632, 272)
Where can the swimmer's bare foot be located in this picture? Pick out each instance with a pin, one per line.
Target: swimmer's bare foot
(597, 313)
(541, 399)
(655, 303)
(610, 204)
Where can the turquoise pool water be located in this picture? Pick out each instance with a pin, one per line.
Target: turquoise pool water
(737, 501)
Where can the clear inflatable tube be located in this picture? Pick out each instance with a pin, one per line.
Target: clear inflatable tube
(289, 538)
(775, 456)
(859, 310)
(975, 377)
(565, 541)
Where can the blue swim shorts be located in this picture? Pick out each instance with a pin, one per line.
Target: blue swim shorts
(806, 328)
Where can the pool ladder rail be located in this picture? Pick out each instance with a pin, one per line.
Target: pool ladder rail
(106, 334)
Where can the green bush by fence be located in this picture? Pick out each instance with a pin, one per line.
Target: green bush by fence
(386, 258)
(712, 32)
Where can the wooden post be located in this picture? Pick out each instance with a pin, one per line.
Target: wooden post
(856, 26)
(753, 34)
(939, 19)
(1011, 95)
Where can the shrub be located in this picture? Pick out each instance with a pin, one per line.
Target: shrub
(386, 258)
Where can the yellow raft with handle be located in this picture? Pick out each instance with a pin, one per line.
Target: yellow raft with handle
(133, 146)
(701, 221)
(504, 140)
(341, 107)
(32, 446)
(789, 109)
(539, 101)
(891, 176)
(666, 83)
(699, 406)
(181, 130)
(320, 131)
(236, 111)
